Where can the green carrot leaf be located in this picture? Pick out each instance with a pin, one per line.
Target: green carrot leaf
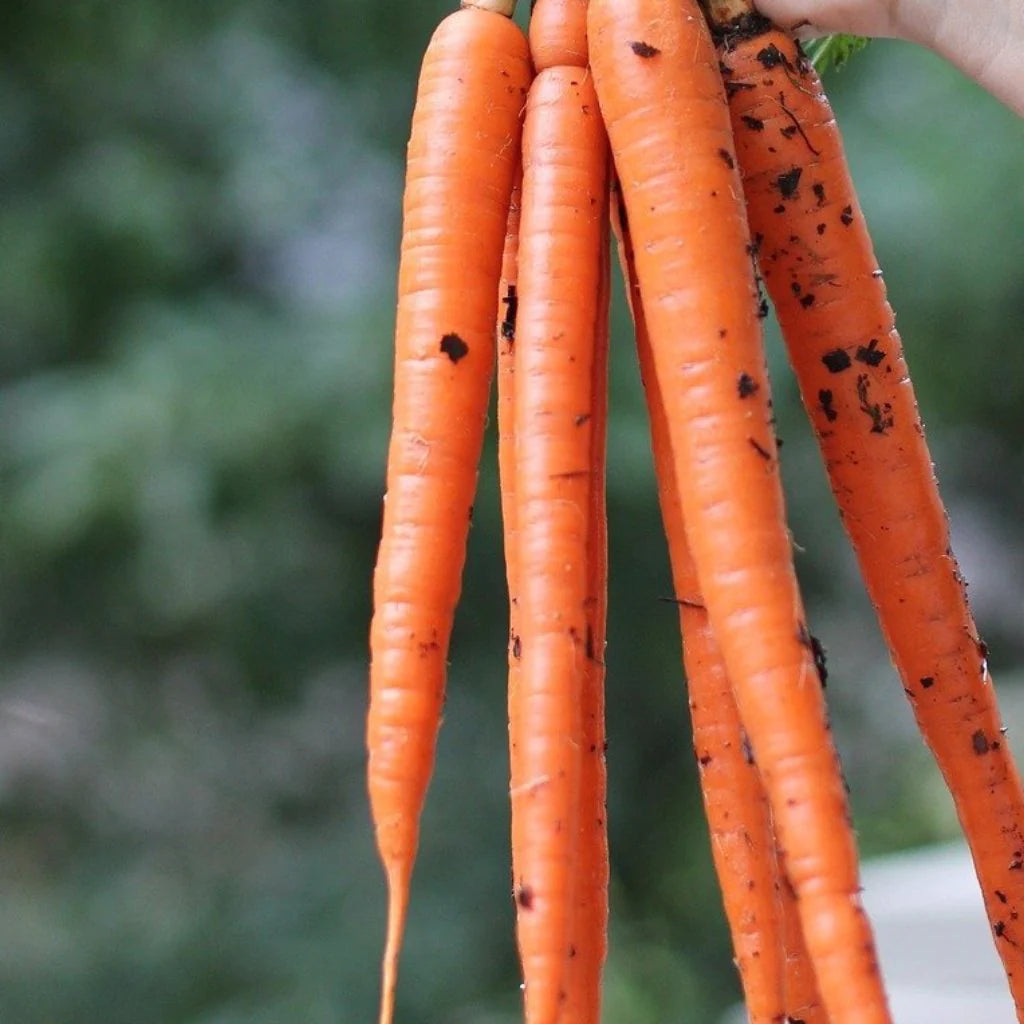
(834, 51)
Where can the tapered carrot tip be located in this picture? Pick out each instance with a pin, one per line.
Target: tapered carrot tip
(398, 906)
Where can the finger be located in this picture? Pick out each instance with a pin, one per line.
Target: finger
(807, 19)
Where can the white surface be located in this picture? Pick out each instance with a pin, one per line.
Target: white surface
(937, 953)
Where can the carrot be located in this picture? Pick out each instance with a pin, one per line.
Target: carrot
(563, 212)
(802, 998)
(656, 76)
(558, 34)
(558, 38)
(589, 930)
(739, 820)
(461, 159)
(508, 303)
(588, 939)
(818, 265)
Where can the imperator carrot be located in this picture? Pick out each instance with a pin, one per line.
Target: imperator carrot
(560, 285)
(558, 39)
(739, 820)
(662, 99)
(818, 266)
(461, 159)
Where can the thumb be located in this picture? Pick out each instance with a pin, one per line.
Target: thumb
(809, 18)
(983, 40)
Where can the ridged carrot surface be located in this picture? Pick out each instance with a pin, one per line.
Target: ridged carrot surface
(589, 932)
(558, 39)
(558, 33)
(800, 984)
(560, 285)
(462, 156)
(661, 95)
(820, 270)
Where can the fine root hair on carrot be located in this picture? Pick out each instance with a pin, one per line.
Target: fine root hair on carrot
(462, 157)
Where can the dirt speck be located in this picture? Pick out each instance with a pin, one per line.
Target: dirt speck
(788, 181)
(644, 50)
(454, 347)
(879, 413)
(759, 448)
(870, 354)
(771, 56)
(826, 398)
(836, 360)
(746, 385)
(508, 323)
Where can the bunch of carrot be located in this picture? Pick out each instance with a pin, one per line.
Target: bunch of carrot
(699, 134)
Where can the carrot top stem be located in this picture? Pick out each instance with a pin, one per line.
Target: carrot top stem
(506, 7)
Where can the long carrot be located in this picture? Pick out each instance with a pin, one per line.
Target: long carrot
(563, 213)
(656, 75)
(558, 39)
(820, 271)
(739, 820)
(508, 305)
(589, 933)
(462, 155)
(589, 929)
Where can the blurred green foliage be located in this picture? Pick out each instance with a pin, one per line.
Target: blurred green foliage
(199, 220)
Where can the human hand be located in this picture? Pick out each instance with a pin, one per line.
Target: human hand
(984, 39)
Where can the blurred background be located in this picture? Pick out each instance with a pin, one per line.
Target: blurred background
(199, 222)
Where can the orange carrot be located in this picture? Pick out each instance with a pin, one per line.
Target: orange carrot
(803, 1000)
(739, 821)
(656, 75)
(506, 335)
(461, 160)
(558, 34)
(589, 930)
(820, 271)
(558, 38)
(563, 212)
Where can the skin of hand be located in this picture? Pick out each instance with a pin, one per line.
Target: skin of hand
(984, 38)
